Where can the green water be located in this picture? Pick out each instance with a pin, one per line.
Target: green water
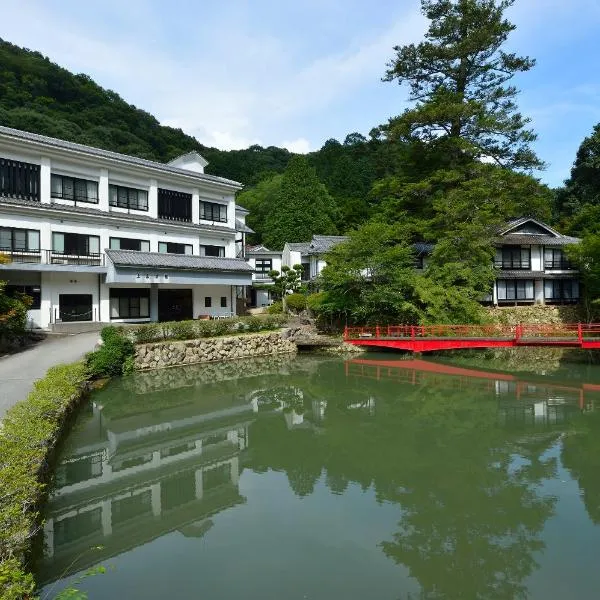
(317, 478)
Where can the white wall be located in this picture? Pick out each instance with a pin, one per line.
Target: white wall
(54, 284)
(537, 258)
(200, 292)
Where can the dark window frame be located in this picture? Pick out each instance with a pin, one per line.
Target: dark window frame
(560, 284)
(33, 291)
(211, 211)
(110, 240)
(14, 247)
(129, 195)
(512, 258)
(207, 301)
(263, 262)
(223, 301)
(174, 205)
(516, 297)
(75, 182)
(220, 251)
(559, 260)
(78, 252)
(173, 245)
(19, 180)
(131, 298)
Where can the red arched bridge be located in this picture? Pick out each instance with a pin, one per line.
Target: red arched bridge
(428, 338)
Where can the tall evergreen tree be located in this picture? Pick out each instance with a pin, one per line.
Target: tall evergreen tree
(304, 207)
(458, 80)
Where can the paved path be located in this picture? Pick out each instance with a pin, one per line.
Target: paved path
(19, 371)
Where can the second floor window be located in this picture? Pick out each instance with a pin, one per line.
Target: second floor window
(554, 258)
(263, 265)
(20, 240)
(126, 197)
(173, 248)
(212, 211)
(71, 188)
(75, 244)
(216, 251)
(513, 257)
(19, 180)
(129, 244)
(175, 206)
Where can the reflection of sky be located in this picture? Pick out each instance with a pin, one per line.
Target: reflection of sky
(569, 563)
(248, 553)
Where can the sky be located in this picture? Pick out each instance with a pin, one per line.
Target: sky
(294, 74)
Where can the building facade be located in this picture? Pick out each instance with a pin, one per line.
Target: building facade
(97, 236)
(263, 261)
(310, 254)
(532, 267)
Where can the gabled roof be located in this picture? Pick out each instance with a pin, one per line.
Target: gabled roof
(260, 249)
(322, 243)
(188, 262)
(189, 157)
(517, 223)
(239, 226)
(301, 247)
(515, 233)
(50, 142)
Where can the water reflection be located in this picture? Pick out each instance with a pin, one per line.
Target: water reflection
(464, 454)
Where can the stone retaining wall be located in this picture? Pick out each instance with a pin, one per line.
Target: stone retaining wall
(190, 352)
(551, 315)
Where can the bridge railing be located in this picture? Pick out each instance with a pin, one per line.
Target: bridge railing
(495, 331)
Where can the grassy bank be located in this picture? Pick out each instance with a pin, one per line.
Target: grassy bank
(28, 436)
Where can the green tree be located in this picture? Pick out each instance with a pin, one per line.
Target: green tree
(304, 207)
(458, 80)
(586, 257)
(260, 200)
(288, 281)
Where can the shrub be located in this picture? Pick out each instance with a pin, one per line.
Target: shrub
(296, 302)
(253, 324)
(145, 334)
(110, 358)
(29, 429)
(183, 330)
(276, 308)
(315, 301)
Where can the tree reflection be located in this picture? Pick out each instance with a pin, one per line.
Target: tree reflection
(469, 489)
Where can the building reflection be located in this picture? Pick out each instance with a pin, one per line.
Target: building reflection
(127, 480)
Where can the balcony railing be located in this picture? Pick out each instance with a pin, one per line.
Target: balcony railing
(560, 264)
(52, 257)
(522, 265)
(168, 217)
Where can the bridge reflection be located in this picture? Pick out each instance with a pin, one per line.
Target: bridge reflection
(522, 398)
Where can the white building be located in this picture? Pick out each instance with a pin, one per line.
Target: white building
(310, 254)
(98, 236)
(262, 260)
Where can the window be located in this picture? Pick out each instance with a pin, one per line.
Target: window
(263, 265)
(223, 301)
(129, 303)
(554, 258)
(207, 302)
(211, 211)
(514, 289)
(513, 257)
(173, 248)
(33, 291)
(19, 180)
(75, 244)
(561, 290)
(71, 188)
(129, 244)
(20, 240)
(305, 272)
(175, 206)
(126, 197)
(218, 251)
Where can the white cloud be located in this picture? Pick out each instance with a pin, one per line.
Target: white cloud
(299, 145)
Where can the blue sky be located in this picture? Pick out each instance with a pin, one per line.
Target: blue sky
(294, 74)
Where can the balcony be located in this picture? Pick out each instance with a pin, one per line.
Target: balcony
(558, 264)
(51, 257)
(513, 265)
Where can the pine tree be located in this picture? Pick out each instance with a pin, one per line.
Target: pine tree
(458, 81)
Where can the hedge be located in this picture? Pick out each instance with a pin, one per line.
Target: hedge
(188, 330)
(28, 435)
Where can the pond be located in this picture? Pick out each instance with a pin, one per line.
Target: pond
(316, 478)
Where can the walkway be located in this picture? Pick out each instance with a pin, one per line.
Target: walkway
(429, 338)
(19, 371)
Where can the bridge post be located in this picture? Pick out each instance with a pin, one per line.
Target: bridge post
(412, 332)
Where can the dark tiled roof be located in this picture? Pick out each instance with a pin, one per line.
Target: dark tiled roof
(241, 209)
(322, 243)
(239, 226)
(260, 249)
(423, 247)
(134, 258)
(299, 246)
(518, 239)
(124, 158)
(534, 275)
(96, 212)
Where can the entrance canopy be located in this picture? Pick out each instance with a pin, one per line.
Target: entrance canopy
(133, 267)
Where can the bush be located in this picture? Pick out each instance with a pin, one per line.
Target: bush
(253, 324)
(276, 308)
(183, 330)
(296, 302)
(29, 429)
(110, 358)
(145, 334)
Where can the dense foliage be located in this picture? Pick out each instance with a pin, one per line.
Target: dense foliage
(28, 430)
(13, 314)
(113, 357)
